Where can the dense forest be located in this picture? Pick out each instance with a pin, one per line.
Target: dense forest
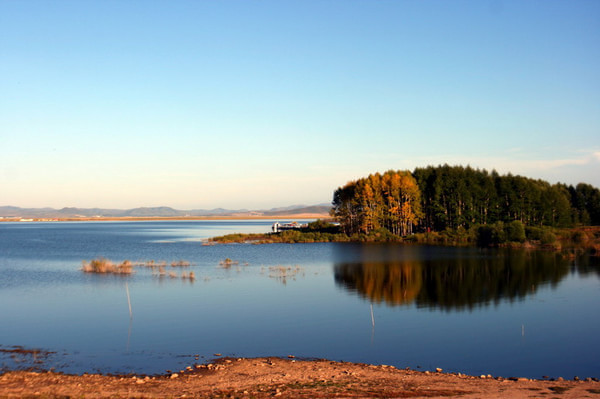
(455, 197)
(454, 205)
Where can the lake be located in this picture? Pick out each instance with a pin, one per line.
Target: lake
(496, 311)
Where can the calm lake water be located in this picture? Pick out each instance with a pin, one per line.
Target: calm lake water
(500, 312)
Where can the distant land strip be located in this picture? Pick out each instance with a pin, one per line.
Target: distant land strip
(11, 213)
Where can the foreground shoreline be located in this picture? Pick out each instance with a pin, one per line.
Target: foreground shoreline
(288, 378)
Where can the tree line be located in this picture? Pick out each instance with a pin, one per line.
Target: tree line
(436, 198)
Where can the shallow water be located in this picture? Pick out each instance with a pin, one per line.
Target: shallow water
(509, 313)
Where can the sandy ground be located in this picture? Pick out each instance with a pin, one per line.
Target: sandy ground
(288, 378)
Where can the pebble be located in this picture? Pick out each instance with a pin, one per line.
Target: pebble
(439, 370)
(483, 377)
(140, 381)
(174, 375)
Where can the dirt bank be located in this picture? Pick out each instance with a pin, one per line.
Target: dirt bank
(288, 378)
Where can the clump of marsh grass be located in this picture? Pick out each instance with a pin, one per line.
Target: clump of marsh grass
(105, 266)
(227, 263)
(191, 276)
(180, 263)
(152, 264)
(282, 273)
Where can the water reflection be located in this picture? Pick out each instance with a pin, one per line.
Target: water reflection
(448, 279)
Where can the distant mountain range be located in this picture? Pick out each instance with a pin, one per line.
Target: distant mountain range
(161, 211)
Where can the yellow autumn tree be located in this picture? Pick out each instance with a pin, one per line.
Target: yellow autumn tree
(391, 201)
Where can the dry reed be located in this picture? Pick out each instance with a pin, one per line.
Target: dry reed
(227, 263)
(105, 266)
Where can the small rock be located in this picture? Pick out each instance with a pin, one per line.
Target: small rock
(522, 379)
(140, 381)
(174, 375)
(560, 379)
(427, 372)
(439, 370)
(489, 376)
(575, 378)
(483, 377)
(218, 354)
(291, 356)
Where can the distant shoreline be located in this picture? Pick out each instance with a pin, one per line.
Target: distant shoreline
(299, 216)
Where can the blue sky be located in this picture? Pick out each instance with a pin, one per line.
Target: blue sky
(257, 104)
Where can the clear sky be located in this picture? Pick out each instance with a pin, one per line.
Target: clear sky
(258, 104)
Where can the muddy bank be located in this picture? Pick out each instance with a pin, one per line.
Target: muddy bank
(288, 378)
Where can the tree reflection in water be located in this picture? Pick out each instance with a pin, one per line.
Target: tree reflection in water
(448, 278)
